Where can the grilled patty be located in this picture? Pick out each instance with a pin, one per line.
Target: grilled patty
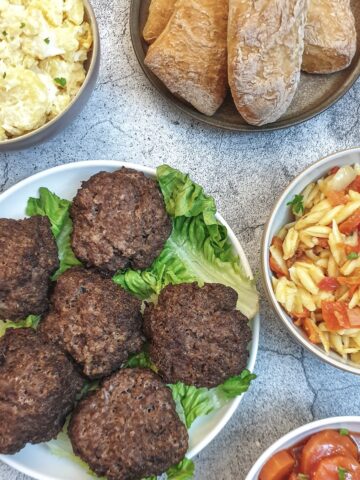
(196, 334)
(38, 388)
(95, 321)
(129, 429)
(119, 220)
(28, 257)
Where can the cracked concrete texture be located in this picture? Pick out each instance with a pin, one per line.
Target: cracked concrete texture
(126, 119)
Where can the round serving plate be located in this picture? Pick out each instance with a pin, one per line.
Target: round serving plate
(36, 460)
(315, 94)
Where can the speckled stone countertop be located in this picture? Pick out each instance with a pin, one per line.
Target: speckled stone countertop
(127, 120)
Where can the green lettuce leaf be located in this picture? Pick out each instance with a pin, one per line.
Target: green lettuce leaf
(198, 249)
(182, 471)
(142, 360)
(32, 321)
(57, 210)
(192, 402)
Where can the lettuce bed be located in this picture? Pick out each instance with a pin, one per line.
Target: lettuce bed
(198, 250)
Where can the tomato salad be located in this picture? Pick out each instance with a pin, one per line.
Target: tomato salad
(315, 261)
(327, 455)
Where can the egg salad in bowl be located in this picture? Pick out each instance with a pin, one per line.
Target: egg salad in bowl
(44, 45)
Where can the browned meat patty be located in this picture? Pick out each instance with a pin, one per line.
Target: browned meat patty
(129, 429)
(38, 388)
(28, 257)
(95, 321)
(196, 336)
(120, 221)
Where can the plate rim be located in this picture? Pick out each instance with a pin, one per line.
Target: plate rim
(233, 405)
(211, 121)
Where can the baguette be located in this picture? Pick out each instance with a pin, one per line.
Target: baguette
(160, 12)
(265, 48)
(330, 36)
(190, 55)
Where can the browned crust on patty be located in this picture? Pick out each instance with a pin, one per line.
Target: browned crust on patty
(38, 388)
(129, 429)
(196, 335)
(28, 257)
(120, 221)
(94, 320)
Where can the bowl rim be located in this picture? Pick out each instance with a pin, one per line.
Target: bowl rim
(293, 435)
(255, 322)
(94, 55)
(266, 240)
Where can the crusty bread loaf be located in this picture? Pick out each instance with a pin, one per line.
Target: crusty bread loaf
(265, 43)
(190, 55)
(160, 12)
(330, 36)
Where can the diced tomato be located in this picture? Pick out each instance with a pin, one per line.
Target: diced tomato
(275, 267)
(325, 444)
(354, 317)
(352, 249)
(293, 476)
(355, 185)
(328, 468)
(329, 284)
(311, 331)
(323, 243)
(277, 242)
(334, 170)
(351, 224)
(337, 198)
(335, 315)
(279, 467)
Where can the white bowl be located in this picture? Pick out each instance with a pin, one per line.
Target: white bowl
(282, 215)
(36, 460)
(296, 436)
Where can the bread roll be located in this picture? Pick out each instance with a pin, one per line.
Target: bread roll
(190, 55)
(160, 12)
(265, 43)
(330, 36)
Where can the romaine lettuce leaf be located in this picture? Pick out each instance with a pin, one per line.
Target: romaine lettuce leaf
(57, 210)
(192, 402)
(31, 321)
(182, 471)
(198, 249)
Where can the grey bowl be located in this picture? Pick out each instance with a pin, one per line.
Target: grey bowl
(58, 123)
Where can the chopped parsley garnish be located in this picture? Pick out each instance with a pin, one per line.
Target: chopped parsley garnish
(4, 33)
(4, 75)
(47, 40)
(60, 81)
(22, 25)
(342, 473)
(297, 205)
(344, 432)
(353, 256)
(302, 476)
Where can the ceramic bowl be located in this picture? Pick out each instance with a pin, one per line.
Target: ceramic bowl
(60, 122)
(296, 436)
(282, 215)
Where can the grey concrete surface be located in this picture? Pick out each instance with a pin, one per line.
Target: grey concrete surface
(127, 120)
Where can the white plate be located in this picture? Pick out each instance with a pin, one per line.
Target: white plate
(36, 460)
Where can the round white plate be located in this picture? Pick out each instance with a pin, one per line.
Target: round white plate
(36, 460)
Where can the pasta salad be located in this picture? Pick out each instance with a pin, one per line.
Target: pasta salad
(315, 261)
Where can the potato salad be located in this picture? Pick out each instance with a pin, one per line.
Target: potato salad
(43, 47)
